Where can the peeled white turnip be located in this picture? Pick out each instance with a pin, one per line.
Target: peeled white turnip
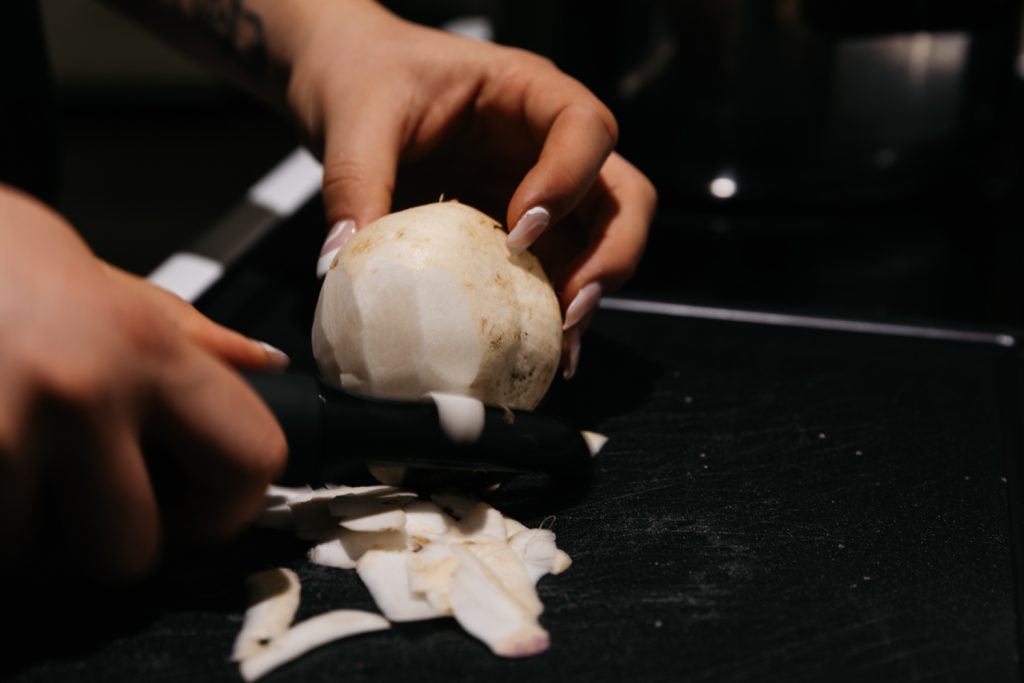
(429, 299)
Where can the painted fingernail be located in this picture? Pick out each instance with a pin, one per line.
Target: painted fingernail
(572, 340)
(584, 302)
(277, 359)
(341, 232)
(532, 224)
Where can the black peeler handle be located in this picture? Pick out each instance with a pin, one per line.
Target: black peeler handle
(326, 426)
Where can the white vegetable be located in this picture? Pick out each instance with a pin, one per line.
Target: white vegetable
(429, 299)
(486, 609)
(273, 601)
(308, 635)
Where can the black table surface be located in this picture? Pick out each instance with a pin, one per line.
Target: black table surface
(774, 503)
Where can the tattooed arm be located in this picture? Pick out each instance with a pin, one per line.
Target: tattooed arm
(227, 35)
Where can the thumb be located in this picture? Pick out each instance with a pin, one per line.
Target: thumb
(360, 162)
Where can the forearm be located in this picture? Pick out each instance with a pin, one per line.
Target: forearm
(254, 43)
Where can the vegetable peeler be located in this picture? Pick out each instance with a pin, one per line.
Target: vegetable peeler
(327, 427)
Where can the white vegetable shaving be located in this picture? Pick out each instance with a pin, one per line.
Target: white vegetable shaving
(453, 555)
(279, 517)
(509, 570)
(273, 601)
(474, 519)
(488, 611)
(595, 442)
(537, 551)
(388, 474)
(377, 520)
(430, 572)
(461, 417)
(277, 495)
(386, 576)
(346, 547)
(562, 562)
(426, 521)
(310, 634)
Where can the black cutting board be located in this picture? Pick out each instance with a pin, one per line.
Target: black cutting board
(774, 504)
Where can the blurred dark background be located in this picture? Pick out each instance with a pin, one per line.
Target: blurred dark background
(824, 156)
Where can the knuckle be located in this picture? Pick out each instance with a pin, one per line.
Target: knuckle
(252, 467)
(518, 57)
(650, 192)
(76, 387)
(540, 61)
(619, 270)
(343, 172)
(145, 332)
(268, 462)
(607, 119)
(516, 68)
(277, 457)
(348, 181)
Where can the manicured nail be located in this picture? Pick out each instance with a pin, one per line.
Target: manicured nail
(584, 302)
(532, 224)
(336, 238)
(278, 359)
(573, 341)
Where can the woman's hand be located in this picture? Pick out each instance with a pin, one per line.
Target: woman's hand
(95, 363)
(397, 106)
(392, 106)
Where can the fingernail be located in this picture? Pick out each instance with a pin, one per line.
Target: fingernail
(532, 224)
(584, 302)
(341, 232)
(573, 341)
(278, 359)
(323, 264)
